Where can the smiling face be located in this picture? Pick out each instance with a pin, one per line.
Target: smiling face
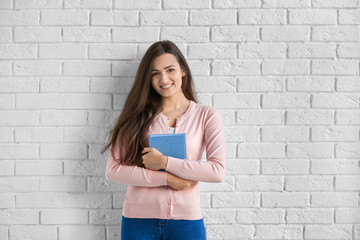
(167, 75)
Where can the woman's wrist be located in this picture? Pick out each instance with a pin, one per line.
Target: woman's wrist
(164, 160)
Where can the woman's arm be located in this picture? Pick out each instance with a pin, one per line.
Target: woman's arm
(212, 170)
(133, 175)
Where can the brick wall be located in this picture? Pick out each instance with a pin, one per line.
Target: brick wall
(284, 74)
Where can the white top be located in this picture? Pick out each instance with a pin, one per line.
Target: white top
(171, 130)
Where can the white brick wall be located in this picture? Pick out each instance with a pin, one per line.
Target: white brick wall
(284, 75)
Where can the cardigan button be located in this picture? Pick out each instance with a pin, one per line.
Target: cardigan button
(168, 215)
(169, 202)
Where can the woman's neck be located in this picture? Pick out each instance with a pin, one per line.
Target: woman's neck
(175, 102)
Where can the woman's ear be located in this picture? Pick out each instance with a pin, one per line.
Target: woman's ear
(183, 73)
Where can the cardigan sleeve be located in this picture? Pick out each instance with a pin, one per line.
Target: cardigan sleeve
(133, 175)
(212, 170)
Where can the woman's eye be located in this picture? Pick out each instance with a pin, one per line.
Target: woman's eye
(171, 69)
(154, 74)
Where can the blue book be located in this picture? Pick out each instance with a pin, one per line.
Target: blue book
(173, 145)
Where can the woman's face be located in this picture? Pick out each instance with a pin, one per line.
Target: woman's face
(167, 75)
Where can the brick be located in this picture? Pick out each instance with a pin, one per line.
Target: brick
(347, 150)
(18, 184)
(348, 183)
(63, 151)
(102, 118)
(348, 50)
(239, 134)
(259, 183)
(212, 17)
(37, 67)
(227, 117)
(227, 186)
(87, 68)
(310, 150)
(335, 100)
(312, 16)
(233, 231)
(105, 216)
(186, 4)
(279, 232)
(232, 100)
(347, 215)
(235, 200)
(113, 51)
(261, 150)
(334, 134)
(223, 216)
(286, 166)
(5, 68)
(335, 33)
(62, 184)
(101, 184)
(285, 67)
(84, 168)
(308, 183)
(215, 84)
(83, 134)
(128, 34)
(234, 33)
(19, 118)
(262, 16)
(348, 117)
(212, 51)
(335, 3)
(18, 51)
(7, 200)
(185, 34)
(200, 67)
(88, 101)
(38, 167)
(334, 166)
(335, 67)
(63, 117)
(39, 101)
(310, 83)
(349, 16)
(62, 51)
(6, 135)
(285, 33)
(309, 116)
(34, 4)
(37, 34)
(286, 100)
(6, 4)
(334, 199)
(119, 101)
(64, 84)
(237, 4)
(262, 50)
(65, 17)
(137, 4)
(259, 117)
(14, 151)
(86, 34)
(285, 199)
(114, 18)
(63, 200)
(328, 232)
(19, 18)
(36, 134)
(125, 68)
(286, 3)
(235, 67)
(7, 168)
(261, 84)
(33, 232)
(110, 84)
(19, 216)
(4, 232)
(87, 4)
(64, 216)
(7, 101)
(5, 34)
(163, 18)
(307, 216)
(312, 50)
(260, 215)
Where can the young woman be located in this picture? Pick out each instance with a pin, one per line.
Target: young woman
(164, 204)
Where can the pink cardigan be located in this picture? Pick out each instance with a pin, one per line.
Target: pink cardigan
(148, 195)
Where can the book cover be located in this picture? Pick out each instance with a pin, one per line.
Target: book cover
(173, 145)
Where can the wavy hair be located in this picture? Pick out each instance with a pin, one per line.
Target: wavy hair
(142, 105)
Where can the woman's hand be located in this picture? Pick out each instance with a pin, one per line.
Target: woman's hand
(153, 159)
(178, 183)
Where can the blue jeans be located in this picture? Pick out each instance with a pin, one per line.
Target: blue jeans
(161, 229)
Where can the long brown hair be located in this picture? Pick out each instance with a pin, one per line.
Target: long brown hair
(143, 104)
